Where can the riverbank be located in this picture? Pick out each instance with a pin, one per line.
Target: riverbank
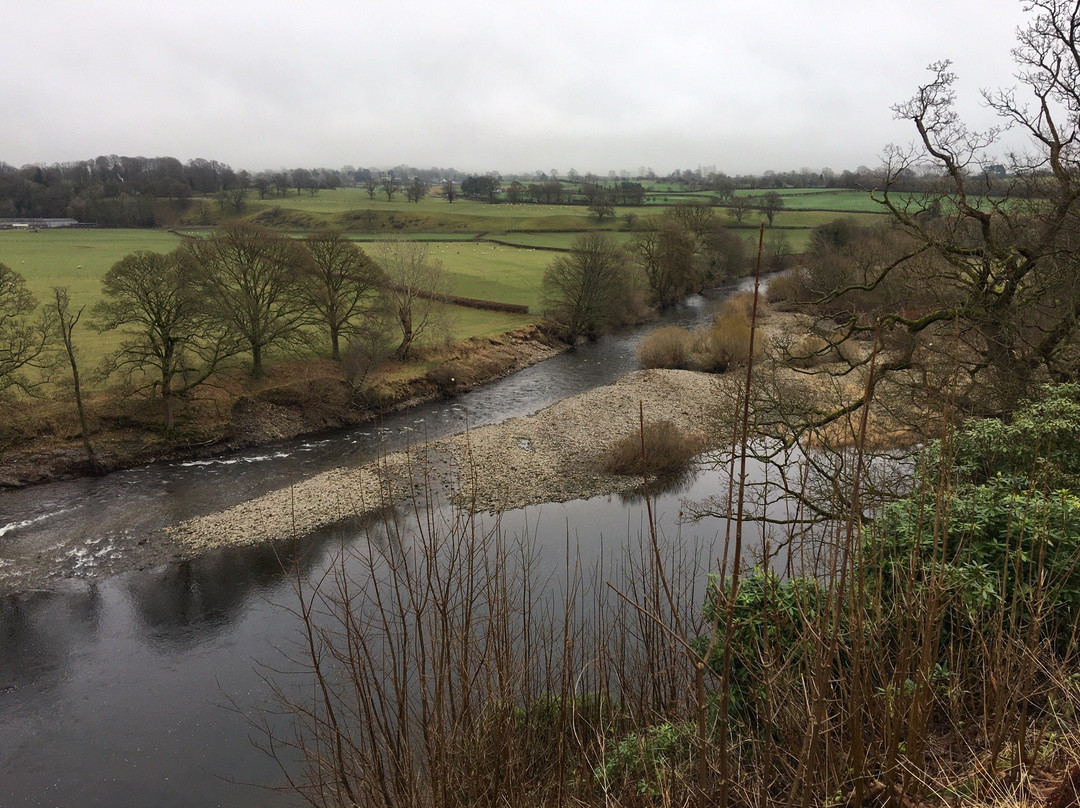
(549, 456)
(288, 406)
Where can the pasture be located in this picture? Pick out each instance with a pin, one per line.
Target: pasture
(461, 235)
(351, 209)
(79, 259)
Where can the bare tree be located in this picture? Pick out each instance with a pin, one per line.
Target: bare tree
(340, 282)
(65, 323)
(156, 300)
(371, 185)
(666, 255)
(590, 289)
(390, 186)
(232, 199)
(990, 270)
(771, 203)
(415, 283)
(417, 190)
(251, 280)
(739, 205)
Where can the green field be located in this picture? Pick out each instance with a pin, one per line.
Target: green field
(76, 259)
(829, 200)
(494, 272)
(351, 209)
(79, 259)
(460, 233)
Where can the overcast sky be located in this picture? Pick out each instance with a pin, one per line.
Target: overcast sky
(478, 85)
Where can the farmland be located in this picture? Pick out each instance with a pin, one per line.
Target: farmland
(494, 252)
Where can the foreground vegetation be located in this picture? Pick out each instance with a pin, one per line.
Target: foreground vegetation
(926, 656)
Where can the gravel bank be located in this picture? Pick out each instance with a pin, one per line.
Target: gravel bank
(552, 455)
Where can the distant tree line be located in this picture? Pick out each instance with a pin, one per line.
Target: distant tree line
(112, 190)
(145, 192)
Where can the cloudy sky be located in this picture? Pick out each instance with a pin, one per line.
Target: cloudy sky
(513, 86)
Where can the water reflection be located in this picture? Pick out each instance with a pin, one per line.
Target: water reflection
(41, 631)
(665, 485)
(139, 666)
(183, 603)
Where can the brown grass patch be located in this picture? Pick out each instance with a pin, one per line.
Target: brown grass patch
(660, 449)
(668, 347)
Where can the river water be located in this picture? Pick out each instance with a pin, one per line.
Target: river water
(132, 689)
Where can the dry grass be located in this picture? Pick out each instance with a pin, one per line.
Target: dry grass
(668, 347)
(659, 449)
(727, 342)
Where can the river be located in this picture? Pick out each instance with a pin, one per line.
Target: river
(132, 689)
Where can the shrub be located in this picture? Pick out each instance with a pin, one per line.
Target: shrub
(1011, 526)
(809, 351)
(790, 610)
(727, 342)
(652, 764)
(364, 353)
(668, 347)
(660, 449)
(1040, 443)
(790, 288)
(740, 305)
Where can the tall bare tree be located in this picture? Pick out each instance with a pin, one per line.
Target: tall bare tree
(390, 186)
(994, 255)
(65, 323)
(371, 185)
(415, 283)
(251, 280)
(666, 254)
(169, 334)
(590, 289)
(772, 203)
(340, 282)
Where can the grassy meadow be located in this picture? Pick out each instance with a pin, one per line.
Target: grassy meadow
(462, 236)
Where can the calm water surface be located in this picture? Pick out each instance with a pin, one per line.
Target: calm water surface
(130, 690)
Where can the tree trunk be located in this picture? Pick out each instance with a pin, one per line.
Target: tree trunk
(406, 334)
(256, 361)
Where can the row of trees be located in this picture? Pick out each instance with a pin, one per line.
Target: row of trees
(244, 290)
(599, 285)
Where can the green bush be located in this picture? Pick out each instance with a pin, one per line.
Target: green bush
(772, 617)
(1000, 541)
(1039, 444)
(999, 552)
(651, 763)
